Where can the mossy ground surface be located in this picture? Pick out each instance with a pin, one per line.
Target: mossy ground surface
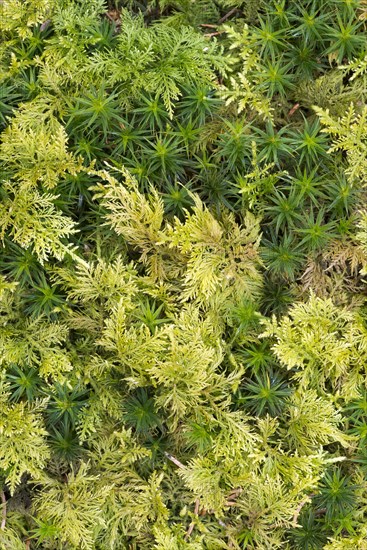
(183, 260)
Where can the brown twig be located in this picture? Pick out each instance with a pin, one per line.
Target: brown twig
(207, 26)
(3, 501)
(231, 499)
(192, 524)
(45, 25)
(210, 34)
(294, 109)
(320, 512)
(227, 15)
(114, 17)
(174, 460)
(299, 508)
(235, 493)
